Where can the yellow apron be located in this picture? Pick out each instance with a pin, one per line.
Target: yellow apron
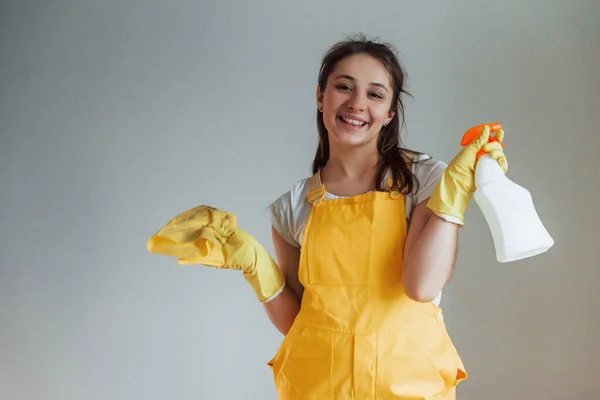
(358, 336)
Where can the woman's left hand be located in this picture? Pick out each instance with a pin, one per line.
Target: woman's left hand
(457, 184)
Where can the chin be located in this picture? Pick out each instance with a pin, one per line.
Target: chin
(349, 140)
(347, 137)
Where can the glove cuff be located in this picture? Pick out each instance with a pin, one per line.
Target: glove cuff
(450, 198)
(450, 218)
(265, 278)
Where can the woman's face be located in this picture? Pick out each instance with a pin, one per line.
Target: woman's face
(356, 101)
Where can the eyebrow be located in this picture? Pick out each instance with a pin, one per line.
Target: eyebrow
(352, 79)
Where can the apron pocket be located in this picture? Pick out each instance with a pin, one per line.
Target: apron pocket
(419, 363)
(436, 345)
(335, 258)
(284, 350)
(307, 364)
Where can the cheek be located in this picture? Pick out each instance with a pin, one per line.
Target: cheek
(381, 112)
(335, 98)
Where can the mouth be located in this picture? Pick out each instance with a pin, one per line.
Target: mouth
(352, 120)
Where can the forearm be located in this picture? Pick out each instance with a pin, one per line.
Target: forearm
(429, 262)
(283, 309)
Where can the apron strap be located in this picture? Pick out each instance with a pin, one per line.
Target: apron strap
(315, 192)
(394, 194)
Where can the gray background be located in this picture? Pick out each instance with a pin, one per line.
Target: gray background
(117, 115)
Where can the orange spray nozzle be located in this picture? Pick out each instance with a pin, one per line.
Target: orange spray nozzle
(474, 132)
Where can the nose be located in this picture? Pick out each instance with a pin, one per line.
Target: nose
(356, 102)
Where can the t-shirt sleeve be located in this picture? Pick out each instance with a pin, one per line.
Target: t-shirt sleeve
(281, 214)
(428, 173)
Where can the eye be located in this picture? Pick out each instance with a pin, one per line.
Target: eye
(343, 87)
(375, 94)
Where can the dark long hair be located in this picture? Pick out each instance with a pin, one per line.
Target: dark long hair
(392, 154)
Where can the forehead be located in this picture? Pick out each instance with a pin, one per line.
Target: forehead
(363, 68)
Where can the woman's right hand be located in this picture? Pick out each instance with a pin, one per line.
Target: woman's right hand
(209, 236)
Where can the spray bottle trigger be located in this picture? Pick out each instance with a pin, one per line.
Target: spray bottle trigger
(474, 132)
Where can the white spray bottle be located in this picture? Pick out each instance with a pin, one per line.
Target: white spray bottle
(508, 208)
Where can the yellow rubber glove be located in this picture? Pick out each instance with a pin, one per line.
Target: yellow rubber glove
(457, 184)
(208, 236)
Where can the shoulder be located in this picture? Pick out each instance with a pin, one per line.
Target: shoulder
(424, 166)
(294, 196)
(289, 212)
(428, 172)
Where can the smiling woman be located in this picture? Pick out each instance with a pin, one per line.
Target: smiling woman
(360, 307)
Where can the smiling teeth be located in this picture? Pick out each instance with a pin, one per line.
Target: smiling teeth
(353, 122)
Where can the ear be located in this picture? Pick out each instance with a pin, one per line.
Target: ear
(319, 98)
(389, 117)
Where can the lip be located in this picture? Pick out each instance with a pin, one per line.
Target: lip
(354, 117)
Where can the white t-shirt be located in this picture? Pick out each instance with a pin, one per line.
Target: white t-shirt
(289, 213)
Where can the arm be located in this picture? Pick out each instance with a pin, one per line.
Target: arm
(284, 308)
(429, 254)
(431, 243)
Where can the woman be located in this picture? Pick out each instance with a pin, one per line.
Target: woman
(360, 312)
(364, 246)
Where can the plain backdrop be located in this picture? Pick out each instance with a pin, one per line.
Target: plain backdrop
(117, 115)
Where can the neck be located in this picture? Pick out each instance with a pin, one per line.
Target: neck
(352, 164)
